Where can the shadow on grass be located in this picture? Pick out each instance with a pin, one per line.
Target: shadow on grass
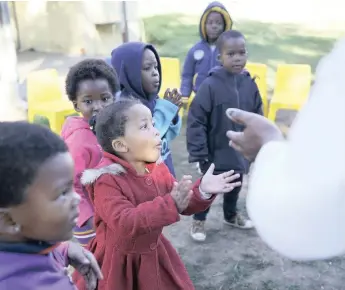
(172, 34)
(267, 43)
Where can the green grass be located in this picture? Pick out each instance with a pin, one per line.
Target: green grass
(267, 43)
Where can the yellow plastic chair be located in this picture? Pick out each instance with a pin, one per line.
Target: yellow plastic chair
(55, 111)
(259, 72)
(42, 86)
(45, 99)
(190, 100)
(192, 95)
(170, 76)
(181, 112)
(292, 88)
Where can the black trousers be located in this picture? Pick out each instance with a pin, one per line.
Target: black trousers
(229, 204)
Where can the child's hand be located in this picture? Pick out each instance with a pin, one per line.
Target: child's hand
(221, 183)
(174, 97)
(182, 193)
(85, 263)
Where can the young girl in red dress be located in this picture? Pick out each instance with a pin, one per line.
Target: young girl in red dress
(134, 197)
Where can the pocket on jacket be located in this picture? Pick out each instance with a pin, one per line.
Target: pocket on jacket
(98, 251)
(228, 159)
(220, 122)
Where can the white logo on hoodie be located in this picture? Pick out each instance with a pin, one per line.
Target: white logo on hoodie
(199, 54)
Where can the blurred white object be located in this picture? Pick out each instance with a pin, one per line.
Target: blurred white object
(12, 108)
(296, 196)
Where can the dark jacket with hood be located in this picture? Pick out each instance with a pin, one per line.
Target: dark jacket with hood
(201, 58)
(207, 122)
(127, 61)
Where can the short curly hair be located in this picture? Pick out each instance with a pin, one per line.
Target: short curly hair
(111, 122)
(24, 148)
(227, 35)
(90, 69)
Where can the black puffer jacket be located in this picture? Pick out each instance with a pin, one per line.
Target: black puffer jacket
(207, 123)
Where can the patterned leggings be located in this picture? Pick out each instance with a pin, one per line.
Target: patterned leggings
(84, 234)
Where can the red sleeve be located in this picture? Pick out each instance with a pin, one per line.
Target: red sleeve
(197, 203)
(82, 158)
(128, 220)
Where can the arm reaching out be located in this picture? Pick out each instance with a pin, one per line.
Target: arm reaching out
(198, 115)
(190, 200)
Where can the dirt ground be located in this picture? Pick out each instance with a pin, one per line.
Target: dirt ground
(236, 259)
(230, 258)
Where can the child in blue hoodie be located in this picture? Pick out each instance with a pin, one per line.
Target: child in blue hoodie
(203, 56)
(138, 67)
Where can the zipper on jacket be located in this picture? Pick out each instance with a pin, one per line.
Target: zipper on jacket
(238, 100)
(212, 57)
(237, 93)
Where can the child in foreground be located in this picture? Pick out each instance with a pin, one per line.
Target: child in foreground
(90, 85)
(227, 86)
(38, 209)
(135, 197)
(139, 69)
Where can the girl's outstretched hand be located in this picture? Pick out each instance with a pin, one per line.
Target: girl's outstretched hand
(221, 183)
(182, 192)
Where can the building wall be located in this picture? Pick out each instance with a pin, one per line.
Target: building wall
(75, 27)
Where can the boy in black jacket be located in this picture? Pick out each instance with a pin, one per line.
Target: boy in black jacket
(227, 86)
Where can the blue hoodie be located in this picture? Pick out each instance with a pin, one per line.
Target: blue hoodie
(127, 60)
(201, 58)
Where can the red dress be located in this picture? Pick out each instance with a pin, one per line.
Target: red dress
(130, 213)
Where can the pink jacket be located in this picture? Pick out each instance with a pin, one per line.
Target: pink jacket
(86, 153)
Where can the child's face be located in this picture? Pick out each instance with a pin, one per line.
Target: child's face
(141, 141)
(149, 72)
(214, 26)
(93, 96)
(50, 209)
(234, 54)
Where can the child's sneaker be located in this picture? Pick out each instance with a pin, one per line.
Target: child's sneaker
(238, 221)
(197, 231)
(198, 168)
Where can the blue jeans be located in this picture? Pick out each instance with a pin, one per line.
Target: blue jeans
(229, 205)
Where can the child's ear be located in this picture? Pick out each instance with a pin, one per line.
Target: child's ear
(218, 57)
(75, 105)
(7, 225)
(119, 145)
